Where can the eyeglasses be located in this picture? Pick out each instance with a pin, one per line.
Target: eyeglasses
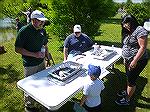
(40, 21)
(77, 32)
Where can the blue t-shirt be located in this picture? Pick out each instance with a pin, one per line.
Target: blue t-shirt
(77, 44)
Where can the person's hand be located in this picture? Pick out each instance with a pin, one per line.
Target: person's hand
(132, 65)
(40, 54)
(124, 61)
(48, 64)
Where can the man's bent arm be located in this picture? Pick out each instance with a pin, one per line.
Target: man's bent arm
(65, 53)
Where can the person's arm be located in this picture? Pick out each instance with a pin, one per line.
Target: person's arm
(66, 47)
(25, 52)
(65, 53)
(83, 99)
(102, 85)
(143, 44)
(47, 52)
(17, 26)
(47, 55)
(89, 43)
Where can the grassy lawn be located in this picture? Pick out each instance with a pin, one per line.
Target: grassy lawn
(11, 71)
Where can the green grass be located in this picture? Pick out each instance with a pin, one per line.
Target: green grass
(11, 71)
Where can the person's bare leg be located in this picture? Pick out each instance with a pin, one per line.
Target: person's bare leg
(130, 91)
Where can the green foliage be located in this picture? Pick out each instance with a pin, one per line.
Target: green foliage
(64, 14)
(67, 13)
(140, 11)
(14, 8)
(11, 8)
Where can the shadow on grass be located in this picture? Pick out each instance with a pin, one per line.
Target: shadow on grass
(141, 82)
(7, 76)
(11, 75)
(68, 107)
(115, 81)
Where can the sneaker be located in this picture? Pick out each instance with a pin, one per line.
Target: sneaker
(29, 109)
(122, 93)
(123, 101)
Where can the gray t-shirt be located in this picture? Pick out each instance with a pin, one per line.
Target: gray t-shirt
(130, 43)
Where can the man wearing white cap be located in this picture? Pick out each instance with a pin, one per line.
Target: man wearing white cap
(76, 43)
(30, 39)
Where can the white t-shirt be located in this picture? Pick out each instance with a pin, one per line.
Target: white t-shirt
(93, 90)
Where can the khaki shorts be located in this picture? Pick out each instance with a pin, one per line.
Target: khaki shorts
(34, 69)
(28, 71)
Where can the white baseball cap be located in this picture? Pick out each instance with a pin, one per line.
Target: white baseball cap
(77, 28)
(38, 15)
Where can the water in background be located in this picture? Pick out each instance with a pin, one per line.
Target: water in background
(7, 34)
(7, 29)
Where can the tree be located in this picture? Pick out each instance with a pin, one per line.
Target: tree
(11, 8)
(14, 8)
(66, 13)
(140, 10)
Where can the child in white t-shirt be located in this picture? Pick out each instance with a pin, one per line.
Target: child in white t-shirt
(91, 99)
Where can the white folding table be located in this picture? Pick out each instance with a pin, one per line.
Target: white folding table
(53, 96)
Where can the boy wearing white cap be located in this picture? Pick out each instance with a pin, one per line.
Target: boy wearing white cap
(30, 39)
(76, 43)
(91, 99)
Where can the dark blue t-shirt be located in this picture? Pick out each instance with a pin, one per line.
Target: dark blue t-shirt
(78, 44)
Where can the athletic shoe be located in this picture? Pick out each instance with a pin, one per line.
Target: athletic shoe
(122, 93)
(123, 101)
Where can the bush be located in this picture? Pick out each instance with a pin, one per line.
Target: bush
(66, 13)
(140, 11)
